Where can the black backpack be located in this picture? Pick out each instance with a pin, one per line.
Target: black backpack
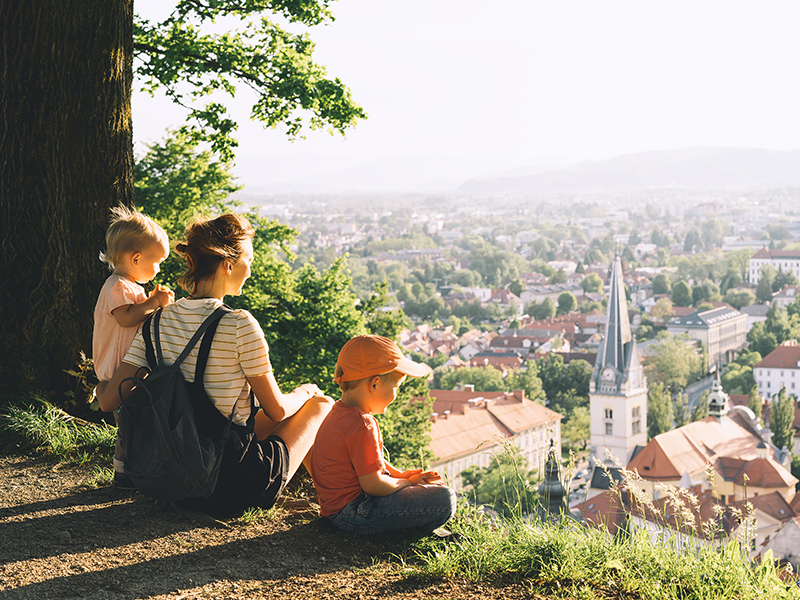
(172, 434)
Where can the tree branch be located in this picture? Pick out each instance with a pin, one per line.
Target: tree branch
(198, 59)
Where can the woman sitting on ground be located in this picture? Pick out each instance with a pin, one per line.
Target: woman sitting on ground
(218, 253)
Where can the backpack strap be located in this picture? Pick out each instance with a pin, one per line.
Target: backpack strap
(157, 336)
(202, 360)
(205, 345)
(148, 342)
(200, 369)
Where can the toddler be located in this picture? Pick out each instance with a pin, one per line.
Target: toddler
(359, 492)
(135, 247)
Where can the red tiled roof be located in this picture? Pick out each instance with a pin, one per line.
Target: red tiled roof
(761, 472)
(462, 426)
(608, 510)
(604, 510)
(456, 435)
(500, 362)
(785, 356)
(767, 253)
(772, 504)
(795, 503)
(767, 473)
(689, 448)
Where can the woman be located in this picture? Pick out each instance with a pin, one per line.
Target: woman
(218, 254)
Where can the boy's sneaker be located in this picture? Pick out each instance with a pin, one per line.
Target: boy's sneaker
(447, 536)
(123, 482)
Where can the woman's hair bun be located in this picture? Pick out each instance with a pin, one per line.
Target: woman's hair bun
(208, 243)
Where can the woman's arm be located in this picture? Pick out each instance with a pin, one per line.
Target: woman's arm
(277, 405)
(107, 392)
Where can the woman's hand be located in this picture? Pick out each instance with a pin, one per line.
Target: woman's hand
(311, 389)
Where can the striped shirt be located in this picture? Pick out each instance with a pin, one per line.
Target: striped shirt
(238, 350)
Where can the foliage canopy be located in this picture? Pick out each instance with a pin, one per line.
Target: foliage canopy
(191, 61)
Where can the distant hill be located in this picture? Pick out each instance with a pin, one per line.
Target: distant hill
(697, 167)
(318, 174)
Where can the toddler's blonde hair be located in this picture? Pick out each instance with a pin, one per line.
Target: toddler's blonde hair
(130, 231)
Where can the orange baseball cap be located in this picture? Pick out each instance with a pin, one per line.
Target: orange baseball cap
(368, 355)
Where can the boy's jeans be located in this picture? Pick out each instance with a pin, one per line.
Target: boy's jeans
(424, 506)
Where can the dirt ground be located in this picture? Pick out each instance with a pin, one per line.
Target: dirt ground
(60, 537)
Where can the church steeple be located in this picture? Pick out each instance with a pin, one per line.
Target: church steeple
(617, 367)
(618, 389)
(618, 326)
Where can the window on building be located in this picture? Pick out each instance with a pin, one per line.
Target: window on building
(769, 384)
(609, 429)
(637, 427)
(609, 413)
(635, 412)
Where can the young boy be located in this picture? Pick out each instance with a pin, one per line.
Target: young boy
(359, 492)
(135, 247)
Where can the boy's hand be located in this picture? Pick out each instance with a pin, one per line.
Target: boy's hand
(408, 474)
(163, 295)
(426, 477)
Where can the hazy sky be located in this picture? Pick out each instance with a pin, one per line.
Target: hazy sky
(526, 80)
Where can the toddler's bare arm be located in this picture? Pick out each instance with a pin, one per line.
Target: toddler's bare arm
(131, 315)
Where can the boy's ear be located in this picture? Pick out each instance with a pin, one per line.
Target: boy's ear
(135, 257)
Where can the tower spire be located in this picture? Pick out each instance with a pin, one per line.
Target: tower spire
(618, 388)
(618, 325)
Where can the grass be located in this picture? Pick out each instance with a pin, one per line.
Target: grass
(560, 560)
(42, 425)
(101, 477)
(568, 560)
(255, 514)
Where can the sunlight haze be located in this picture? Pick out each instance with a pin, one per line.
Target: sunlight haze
(524, 84)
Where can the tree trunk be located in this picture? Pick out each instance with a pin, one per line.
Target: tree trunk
(66, 157)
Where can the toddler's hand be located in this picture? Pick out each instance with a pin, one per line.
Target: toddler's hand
(163, 295)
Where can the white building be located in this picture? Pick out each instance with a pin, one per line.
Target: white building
(786, 296)
(722, 331)
(470, 427)
(779, 368)
(780, 260)
(785, 543)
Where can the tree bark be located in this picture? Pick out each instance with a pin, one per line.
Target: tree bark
(66, 157)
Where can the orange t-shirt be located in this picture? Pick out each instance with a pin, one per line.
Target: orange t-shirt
(348, 446)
